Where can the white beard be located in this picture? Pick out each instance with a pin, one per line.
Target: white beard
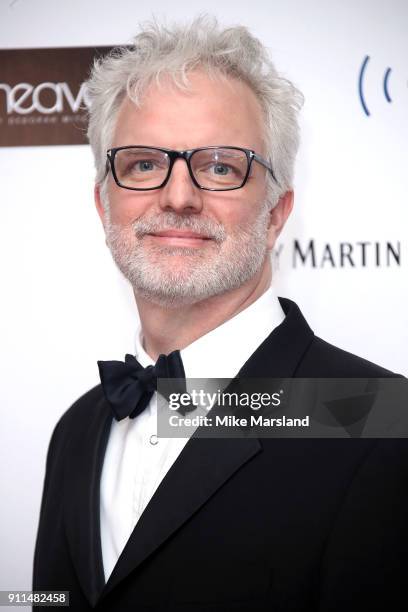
(174, 276)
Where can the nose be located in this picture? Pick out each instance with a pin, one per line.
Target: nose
(180, 194)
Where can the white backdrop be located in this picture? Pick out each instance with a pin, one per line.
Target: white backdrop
(64, 305)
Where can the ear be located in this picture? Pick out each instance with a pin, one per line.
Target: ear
(278, 217)
(98, 203)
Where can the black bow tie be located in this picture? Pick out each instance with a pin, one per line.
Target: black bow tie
(129, 387)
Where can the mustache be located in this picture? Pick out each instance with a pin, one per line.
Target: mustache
(166, 221)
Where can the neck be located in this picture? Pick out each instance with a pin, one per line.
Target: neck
(167, 329)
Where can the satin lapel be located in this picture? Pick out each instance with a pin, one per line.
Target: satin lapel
(282, 351)
(81, 501)
(205, 465)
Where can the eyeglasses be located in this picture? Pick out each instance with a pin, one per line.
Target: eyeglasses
(212, 168)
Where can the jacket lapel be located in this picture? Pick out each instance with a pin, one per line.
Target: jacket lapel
(202, 467)
(81, 503)
(205, 465)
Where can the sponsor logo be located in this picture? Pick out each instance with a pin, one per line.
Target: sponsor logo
(384, 82)
(43, 96)
(360, 254)
(25, 98)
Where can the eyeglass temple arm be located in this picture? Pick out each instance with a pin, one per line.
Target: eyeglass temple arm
(266, 165)
(107, 163)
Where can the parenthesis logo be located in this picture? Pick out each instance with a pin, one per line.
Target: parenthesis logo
(361, 85)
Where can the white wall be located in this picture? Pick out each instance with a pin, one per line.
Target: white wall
(63, 303)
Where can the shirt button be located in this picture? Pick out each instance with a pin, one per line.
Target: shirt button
(153, 439)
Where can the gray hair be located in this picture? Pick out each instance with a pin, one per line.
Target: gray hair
(178, 49)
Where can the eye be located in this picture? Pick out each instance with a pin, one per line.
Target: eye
(221, 169)
(144, 165)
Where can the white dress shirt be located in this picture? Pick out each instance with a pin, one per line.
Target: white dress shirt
(136, 461)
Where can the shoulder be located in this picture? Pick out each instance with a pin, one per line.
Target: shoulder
(86, 407)
(320, 358)
(81, 416)
(74, 429)
(326, 360)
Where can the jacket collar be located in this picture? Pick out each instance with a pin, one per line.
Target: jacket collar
(282, 351)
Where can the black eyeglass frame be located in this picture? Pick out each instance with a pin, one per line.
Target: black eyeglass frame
(186, 155)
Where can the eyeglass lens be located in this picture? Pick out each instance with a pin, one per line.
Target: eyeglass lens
(147, 168)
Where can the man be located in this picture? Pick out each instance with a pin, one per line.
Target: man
(194, 136)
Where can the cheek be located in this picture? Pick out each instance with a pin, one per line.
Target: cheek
(237, 208)
(127, 206)
(243, 216)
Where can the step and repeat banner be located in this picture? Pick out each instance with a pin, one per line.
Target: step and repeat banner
(342, 256)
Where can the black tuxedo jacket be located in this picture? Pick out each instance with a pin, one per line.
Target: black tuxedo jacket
(237, 524)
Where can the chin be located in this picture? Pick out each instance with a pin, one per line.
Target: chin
(169, 301)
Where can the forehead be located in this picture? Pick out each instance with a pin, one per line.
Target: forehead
(212, 111)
